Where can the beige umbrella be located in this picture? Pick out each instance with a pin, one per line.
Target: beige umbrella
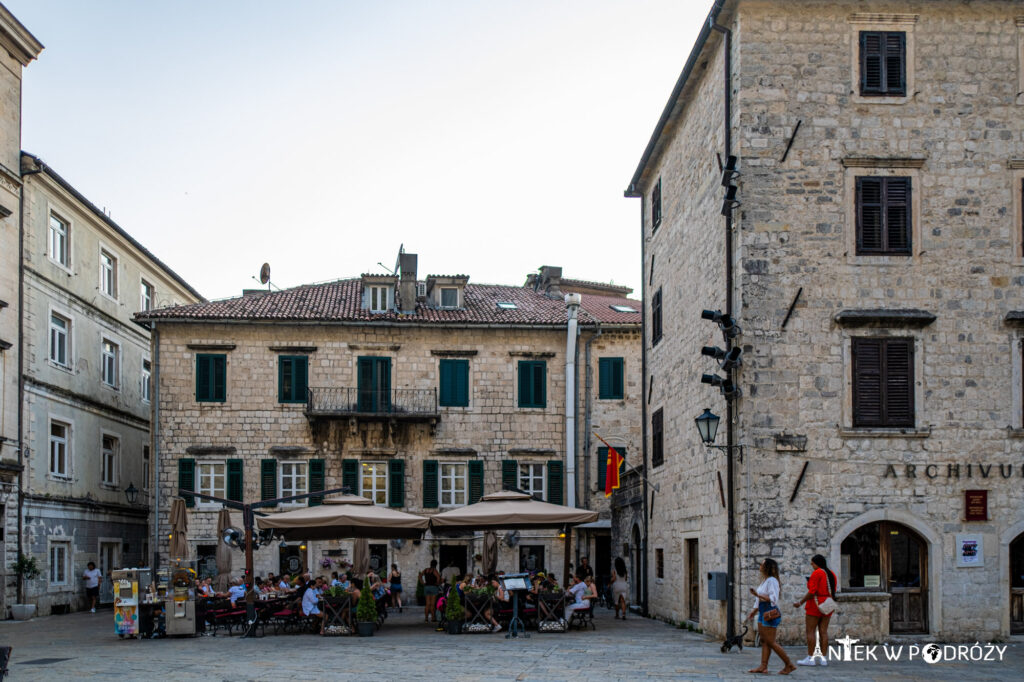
(221, 583)
(179, 528)
(345, 516)
(360, 557)
(490, 558)
(510, 510)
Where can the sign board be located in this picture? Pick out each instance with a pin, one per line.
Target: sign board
(976, 505)
(969, 550)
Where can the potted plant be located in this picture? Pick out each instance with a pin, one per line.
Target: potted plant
(26, 569)
(454, 611)
(366, 613)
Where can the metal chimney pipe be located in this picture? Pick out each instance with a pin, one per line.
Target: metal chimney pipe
(572, 304)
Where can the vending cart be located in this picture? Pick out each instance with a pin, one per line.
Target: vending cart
(180, 602)
(129, 585)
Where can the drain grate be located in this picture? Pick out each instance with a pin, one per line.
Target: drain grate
(44, 661)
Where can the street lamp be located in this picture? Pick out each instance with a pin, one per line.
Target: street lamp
(707, 425)
(132, 493)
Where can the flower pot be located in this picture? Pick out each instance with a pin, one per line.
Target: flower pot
(23, 611)
(455, 627)
(365, 629)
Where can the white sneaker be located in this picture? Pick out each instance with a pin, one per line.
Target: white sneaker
(822, 660)
(496, 628)
(92, 610)
(809, 660)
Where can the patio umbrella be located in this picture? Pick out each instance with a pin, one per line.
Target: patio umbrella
(510, 510)
(179, 528)
(345, 516)
(360, 557)
(490, 562)
(221, 583)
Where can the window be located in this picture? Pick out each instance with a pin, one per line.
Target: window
(658, 438)
(212, 480)
(60, 241)
(60, 573)
(374, 379)
(453, 484)
(532, 383)
(108, 461)
(883, 382)
(108, 274)
(454, 383)
(59, 442)
(531, 480)
(292, 378)
(146, 380)
(623, 309)
(659, 562)
(883, 63)
(60, 348)
(109, 357)
(211, 378)
(145, 468)
(656, 206)
(374, 482)
(656, 317)
(609, 371)
(883, 215)
(507, 305)
(379, 299)
(449, 297)
(294, 481)
(146, 296)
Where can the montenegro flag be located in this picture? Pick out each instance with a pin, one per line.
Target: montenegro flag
(615, 460)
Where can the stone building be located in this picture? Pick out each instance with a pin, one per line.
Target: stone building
(421, 394)
(873, 258)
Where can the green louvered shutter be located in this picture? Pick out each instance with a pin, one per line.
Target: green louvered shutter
(602, 468)
(203, 377)
(350, 475)
(396, 476)
(555, 482)
(187, 479)
(509, 474)
(476, 480)
(316, 481)
(268, 479)
(429, 483)
(235, 468)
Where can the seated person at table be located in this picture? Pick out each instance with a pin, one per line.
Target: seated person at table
(309, 602)
(335, 581)
(591, 594)
(205, 588)
(576, 593)
(236, 591)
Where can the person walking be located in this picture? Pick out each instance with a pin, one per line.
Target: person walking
(92, 576)
(766, 608)
(395, 578)
(620, 588)
(821, 586)
(431, 579)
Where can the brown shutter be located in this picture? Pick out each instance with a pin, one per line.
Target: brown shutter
(895, 60)
(883, 382)
(870, 62)
(869, 215)
(897, 214)
(899, 382)
(867, 382)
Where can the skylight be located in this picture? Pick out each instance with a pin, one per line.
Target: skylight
(623, 309)
(507, 305)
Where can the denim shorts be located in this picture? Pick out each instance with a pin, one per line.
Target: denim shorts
(762, 608)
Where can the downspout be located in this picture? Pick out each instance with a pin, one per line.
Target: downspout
(572, 304)
(588, 413)
(730, 624)
(643, 400)
(21, 369)
(154, 458)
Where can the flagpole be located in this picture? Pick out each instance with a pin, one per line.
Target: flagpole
(654, 486)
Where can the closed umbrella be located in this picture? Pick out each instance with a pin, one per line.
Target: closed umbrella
(360, 557)
(490, 562)
(179, 528)
(221, 583)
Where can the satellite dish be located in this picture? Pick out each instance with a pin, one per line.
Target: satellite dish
(398, 258)
(233, 537)
(265, 273)
(512, 538)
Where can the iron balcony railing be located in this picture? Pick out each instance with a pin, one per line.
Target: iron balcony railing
(397, 402)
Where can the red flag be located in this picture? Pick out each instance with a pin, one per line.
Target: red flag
(611, 477)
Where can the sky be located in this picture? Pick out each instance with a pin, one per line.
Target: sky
(490, 138)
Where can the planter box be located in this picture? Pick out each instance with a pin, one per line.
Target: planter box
(23, 611)
(365, 629)
(455, 627)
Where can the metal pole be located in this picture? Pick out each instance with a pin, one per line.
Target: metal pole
(568, 542)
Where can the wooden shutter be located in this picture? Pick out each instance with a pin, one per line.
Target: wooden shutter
(602, 468)
(895, 63)
(383, 378)
(187, 479)
(462, 383)
(870, 62)
(476, 480)
(268, 479)
(540, 383)
(284, 379)
(897, 215)
(656, 317)
(555, 482)
(235, 487)
(656, 205)
(301, 368)
(867, 382)
(658, 437)
(203, 377)
(899, 384)
(396, 483)
(524, 384)
(429, 483)
(316, 481)
(220, 378)
(883, 63)
(610, 378)
(509, 474)
(350, 475)
(454, 383)
(364, 373)
(869, 215)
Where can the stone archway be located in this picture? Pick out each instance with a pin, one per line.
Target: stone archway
(636, 562)
(1010, 540)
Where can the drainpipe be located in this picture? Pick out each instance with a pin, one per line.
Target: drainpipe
(572, 304)
(588, 415)
(644, 388)
(154, 457)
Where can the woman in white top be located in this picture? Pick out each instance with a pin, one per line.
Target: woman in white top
(766, 608)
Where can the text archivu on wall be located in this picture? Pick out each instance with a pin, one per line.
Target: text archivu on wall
(972, 471)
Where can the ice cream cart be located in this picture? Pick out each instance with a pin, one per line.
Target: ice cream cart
(129, 585)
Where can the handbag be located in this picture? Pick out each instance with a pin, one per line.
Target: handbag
(772, 613)
(828, 606)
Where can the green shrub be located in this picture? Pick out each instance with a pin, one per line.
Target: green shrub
(366, 608)
(453, 606)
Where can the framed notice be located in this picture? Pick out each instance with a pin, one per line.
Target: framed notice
(976, 505)
(969, 550)
(872, 581)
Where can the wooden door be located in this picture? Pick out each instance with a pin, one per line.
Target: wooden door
(905, 558)
(693, 579)
(110, 558)
(1017, 586)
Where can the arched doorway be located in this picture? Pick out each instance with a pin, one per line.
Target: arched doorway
(1017, 585)
(636, 561)
(889, 557)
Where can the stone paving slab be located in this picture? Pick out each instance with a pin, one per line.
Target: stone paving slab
(408, 649)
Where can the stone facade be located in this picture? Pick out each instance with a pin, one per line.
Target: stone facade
(809, 480)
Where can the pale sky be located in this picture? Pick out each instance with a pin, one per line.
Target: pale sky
(488, 137)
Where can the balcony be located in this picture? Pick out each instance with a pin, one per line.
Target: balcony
(403, 404)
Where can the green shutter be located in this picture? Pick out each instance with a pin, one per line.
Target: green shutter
(220, 378)
(555, 481)
(454, 383)
(610, 378)
(541, 384)
(350, 475)
(602, 468)
(292, 374)
(202, 377)
(476, 480)
(462, 384)
(316, 481)
(268, 479)
(429, 483)
(187, 479)
(396, 483)
(284, 378)
(532, 383)
(211, 378)
(509, 474)
(301, 370)
(524, 384)
(235, 468)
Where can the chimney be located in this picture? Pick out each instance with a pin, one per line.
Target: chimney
(550, 278)
(407, 283)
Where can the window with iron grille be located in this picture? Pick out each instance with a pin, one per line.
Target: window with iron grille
(883, 382)
(658, 438)
(656, 317)
(883, 216)
(883, 63)
(659, 562)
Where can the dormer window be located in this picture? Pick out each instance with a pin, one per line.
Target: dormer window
(449, 297)
(447, 292)
(378, 293)
(379, 299)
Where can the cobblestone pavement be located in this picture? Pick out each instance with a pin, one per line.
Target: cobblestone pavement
(82, 645)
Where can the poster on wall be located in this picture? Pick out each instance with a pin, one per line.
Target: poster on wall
(969, 550)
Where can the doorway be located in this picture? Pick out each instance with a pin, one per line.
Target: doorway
(693, 580)
(636, 564)
(379, 560)
(1017, 586)
(452, 555)
(602, 564)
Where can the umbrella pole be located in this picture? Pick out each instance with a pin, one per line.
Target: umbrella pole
(250, 582)
(568, 539)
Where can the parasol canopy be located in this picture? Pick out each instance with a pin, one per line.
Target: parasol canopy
(510, 510)
(490, 553)
(179, 528)
(344, 516)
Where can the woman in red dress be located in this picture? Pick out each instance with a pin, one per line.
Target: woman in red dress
(820, 586)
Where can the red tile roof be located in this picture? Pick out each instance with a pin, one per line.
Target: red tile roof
(341, 301)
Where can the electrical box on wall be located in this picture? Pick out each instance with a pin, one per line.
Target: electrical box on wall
(718, 585)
